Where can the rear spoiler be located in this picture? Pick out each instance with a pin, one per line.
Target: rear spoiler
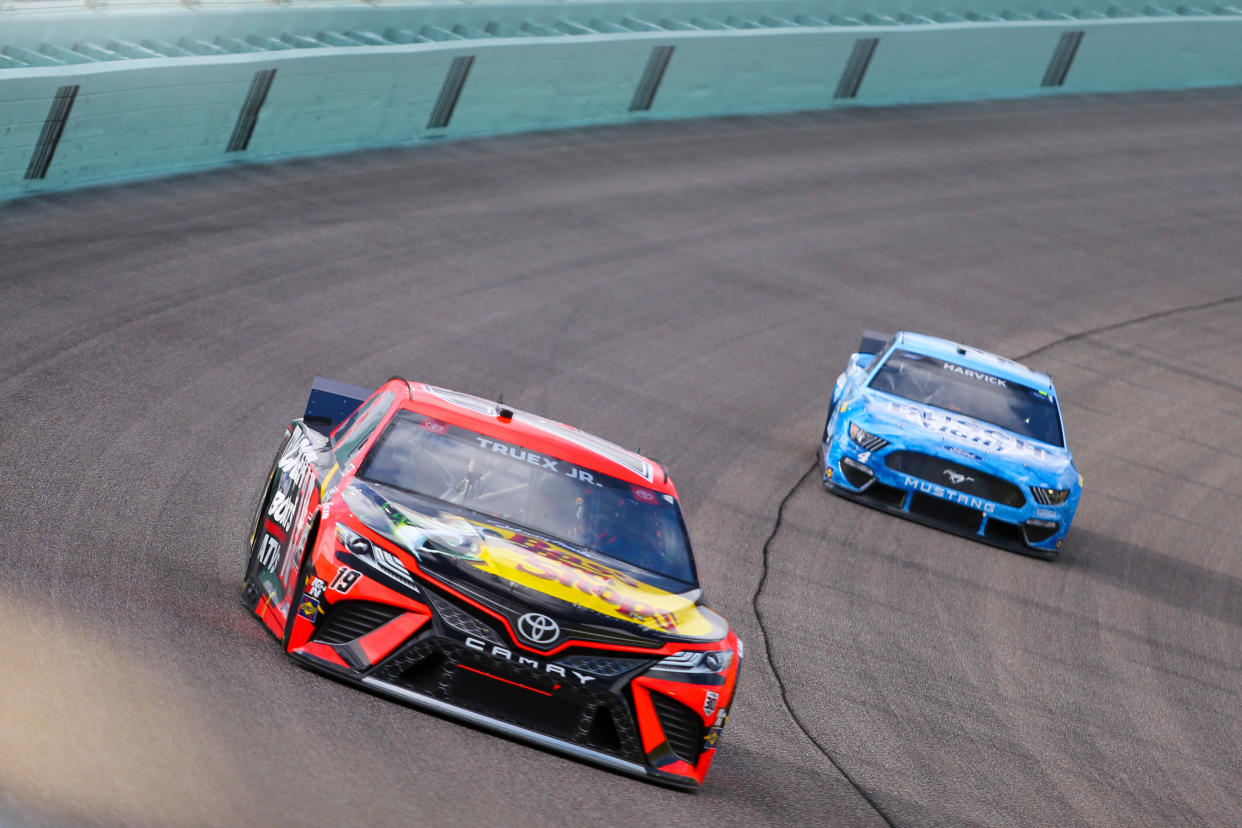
(330, 402)
(873, 342)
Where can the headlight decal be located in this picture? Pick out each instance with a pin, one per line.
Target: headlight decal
(1050, 497)
(694, 666)
(375, 556)
(866, 439)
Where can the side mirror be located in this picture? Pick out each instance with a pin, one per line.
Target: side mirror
(860, 362)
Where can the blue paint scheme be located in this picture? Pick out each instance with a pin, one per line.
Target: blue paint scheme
(961, 443)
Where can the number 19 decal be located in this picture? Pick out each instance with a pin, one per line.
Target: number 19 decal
(345, 579)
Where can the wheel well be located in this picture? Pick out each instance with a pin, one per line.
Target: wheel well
(312, 535)
(299, 579)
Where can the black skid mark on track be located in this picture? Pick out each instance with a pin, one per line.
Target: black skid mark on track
(780, 516)
(767, 648)
(1215, 303)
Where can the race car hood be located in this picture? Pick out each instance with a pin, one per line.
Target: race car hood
(463, 550)
(974, 441)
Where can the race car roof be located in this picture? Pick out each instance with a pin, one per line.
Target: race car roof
(536, 432)
(976, 358)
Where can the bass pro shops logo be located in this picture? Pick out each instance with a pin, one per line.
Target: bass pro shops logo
(538, 629)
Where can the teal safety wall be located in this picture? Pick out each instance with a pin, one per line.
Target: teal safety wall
(86, 100)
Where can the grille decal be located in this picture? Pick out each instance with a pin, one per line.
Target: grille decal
(962, 518)
(682, 727)
(350, 620)
(461, 620)
(505, 680)
(953, 475)
(602, 666)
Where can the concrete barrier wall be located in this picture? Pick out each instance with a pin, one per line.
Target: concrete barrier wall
(82, 123)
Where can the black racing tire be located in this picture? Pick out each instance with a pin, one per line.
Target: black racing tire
(821, 460)
(269, 489)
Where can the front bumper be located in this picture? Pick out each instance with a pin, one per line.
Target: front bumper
(524, 734)
(851, 471)
(436, 651)
(431, 700)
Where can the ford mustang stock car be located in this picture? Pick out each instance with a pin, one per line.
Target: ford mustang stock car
(496, 567)
(954, 437)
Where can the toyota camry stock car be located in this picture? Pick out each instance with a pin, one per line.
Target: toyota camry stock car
(954, 437)
(497, 567)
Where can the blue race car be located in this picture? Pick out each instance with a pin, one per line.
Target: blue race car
(954, 437)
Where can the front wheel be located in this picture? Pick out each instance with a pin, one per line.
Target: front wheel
(832, 409)
(269, 490)
(299, 590)
(259, 539)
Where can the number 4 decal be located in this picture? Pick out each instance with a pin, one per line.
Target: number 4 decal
(345, 579)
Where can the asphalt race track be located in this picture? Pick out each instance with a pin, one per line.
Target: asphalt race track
(688, 289)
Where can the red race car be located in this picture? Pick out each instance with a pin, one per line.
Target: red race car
(497, 567)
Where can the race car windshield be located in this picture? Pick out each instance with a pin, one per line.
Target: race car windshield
(1010, 405)
(551, 496)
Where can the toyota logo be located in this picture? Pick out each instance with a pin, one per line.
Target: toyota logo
(538, 629)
